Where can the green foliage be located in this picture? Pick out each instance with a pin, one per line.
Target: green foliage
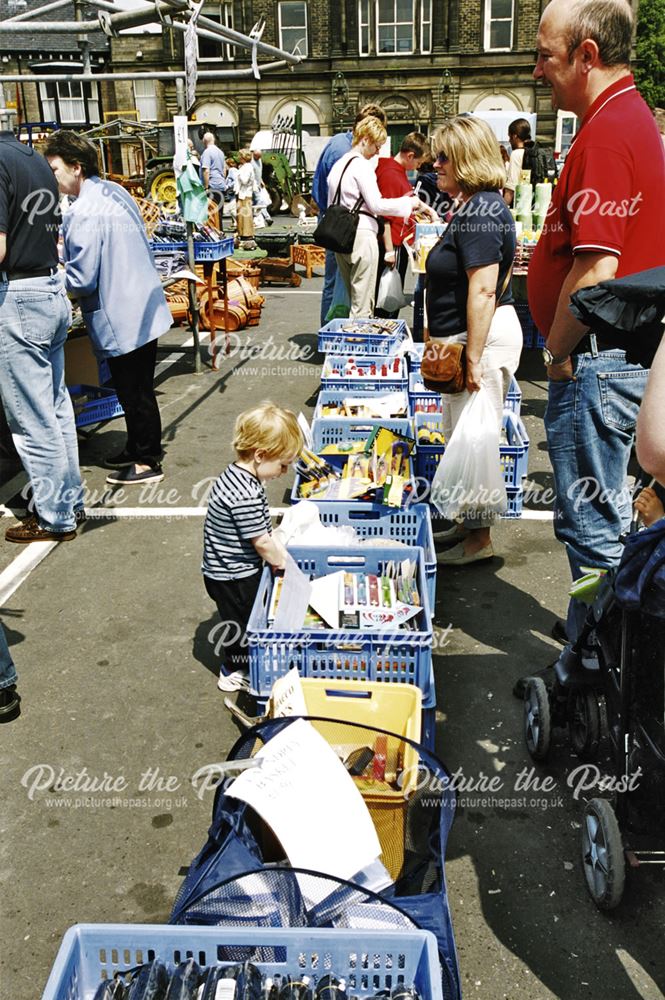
(650, 52)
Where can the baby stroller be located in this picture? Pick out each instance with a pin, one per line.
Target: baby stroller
(611, 682)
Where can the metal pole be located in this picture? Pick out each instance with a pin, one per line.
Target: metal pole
(40, 10)
(191, 285)
(209, 74)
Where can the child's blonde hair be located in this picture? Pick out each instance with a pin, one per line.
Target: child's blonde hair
(268, 428)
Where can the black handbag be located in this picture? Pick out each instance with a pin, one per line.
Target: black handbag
(337, 229)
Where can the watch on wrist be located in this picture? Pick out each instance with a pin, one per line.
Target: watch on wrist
(551, 359)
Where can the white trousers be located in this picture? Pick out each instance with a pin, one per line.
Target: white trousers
(358, 270)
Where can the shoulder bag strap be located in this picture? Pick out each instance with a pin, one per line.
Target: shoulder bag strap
(338, 192)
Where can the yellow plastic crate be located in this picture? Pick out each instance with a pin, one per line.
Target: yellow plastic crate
(393, 708)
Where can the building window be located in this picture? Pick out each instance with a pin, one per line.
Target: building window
(209, 50)
(363, 27)
(145, 100)
(73, 103)
(394, 27)
(293, 27)
(566, 127)
(425, 26)
(498, 25)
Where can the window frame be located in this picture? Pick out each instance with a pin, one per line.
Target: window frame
(281, 27)
(561, 116)
(151, 97)
(487, 28)
(395, 23)
(426, 50)
(364, 24)
(224, 11)
(90, 103)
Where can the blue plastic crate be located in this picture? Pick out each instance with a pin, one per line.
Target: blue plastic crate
(325, 432)
(392, 381)
(379, 960)
(513, 401)
(412, 525)
(389, 655)
(530, 332)
(327, 396)
(420, 398)
(93, 403)
(333, 339)
(514, 456)
(515, 501)
(414, 357)
(204, 250)
(428, 455)
(337, 462)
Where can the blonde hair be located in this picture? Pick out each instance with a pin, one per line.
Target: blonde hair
(267, 428)
(370, 128)
(473, 151)
(244, 155)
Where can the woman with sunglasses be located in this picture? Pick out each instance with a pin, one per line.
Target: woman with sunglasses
(355, 176)
(469, 297)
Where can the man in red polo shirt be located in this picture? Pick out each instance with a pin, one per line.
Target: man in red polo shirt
(391, 176)
(606, 220)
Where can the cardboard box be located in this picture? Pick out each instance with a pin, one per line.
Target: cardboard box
(81, 365)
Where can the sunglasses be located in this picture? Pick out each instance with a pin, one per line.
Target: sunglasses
(441, 158)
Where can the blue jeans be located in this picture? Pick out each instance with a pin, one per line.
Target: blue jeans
(7, 668)
(34, 317)
(590, 426)
(328, 284)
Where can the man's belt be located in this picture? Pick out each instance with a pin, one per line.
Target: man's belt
(585, 347)
(43, 272)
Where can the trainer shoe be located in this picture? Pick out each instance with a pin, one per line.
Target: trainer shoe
(31, 530)
(237, 680)
(458, 557)
(9, 701)
(132, 477)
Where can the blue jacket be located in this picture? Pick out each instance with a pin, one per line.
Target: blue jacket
(110, 270)
(333, 150)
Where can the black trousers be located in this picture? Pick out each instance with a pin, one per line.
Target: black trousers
(133, 377)
(234, 600)
(401, 263)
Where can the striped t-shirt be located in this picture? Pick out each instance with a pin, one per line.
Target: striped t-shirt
(237, 512)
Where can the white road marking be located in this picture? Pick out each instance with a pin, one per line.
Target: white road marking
(20, 568)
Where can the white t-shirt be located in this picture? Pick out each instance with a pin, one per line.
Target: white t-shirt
(514, 169)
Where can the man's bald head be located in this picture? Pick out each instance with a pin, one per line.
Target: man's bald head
(608, 23)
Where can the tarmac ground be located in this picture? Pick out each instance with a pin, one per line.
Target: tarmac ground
(111, 638)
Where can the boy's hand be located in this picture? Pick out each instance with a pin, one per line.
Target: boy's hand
(649, 506)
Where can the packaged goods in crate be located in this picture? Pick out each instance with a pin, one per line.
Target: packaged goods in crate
(387, 651)
(430, 444)
(362, 336)
(334, 405)
(350, 373)
(243, 961)
(420, 398)
(410, 526)
(380, 467)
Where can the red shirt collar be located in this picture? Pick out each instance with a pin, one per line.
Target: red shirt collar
(614, 88)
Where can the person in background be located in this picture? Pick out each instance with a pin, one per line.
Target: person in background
(34, 317)
(10, 700)
(230, 203)
(392, 180)
(519, 134)
(469, 296)
(594, 395)
(261, 198)
(335, 148)
(245, 188)
(109, 268)
(355, 177)
(193, 154)
(237, 532)
(213, 169)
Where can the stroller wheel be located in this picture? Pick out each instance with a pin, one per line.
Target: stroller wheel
(537, 726)
(602, 854)
(587, 723)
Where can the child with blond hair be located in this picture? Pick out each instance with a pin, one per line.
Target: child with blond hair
(237, 533)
